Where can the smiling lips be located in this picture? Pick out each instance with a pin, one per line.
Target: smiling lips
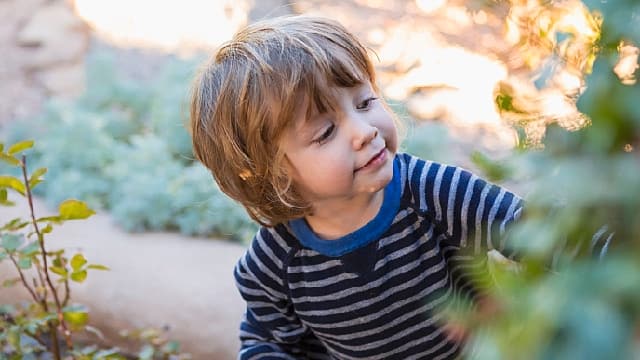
(375, 161)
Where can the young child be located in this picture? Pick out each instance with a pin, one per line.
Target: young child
(361, 247)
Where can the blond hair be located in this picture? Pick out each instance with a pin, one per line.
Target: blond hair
(247, 94)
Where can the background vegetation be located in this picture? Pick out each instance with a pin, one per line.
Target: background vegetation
(568, 301)
(582, 171)
(135, 159)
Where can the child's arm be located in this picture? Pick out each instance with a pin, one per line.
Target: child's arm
(473, 213)
(270, 328)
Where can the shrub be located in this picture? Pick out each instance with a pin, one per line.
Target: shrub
(44, 327)
(136, 158)
(578, 292)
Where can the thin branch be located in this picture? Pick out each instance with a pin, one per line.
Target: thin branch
(12, 321)
(36, 337)
(67, 333)
(67, 293)
(24, 280)
(43, 284)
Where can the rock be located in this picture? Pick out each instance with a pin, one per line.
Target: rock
(155, 280)
(56, 36)
(66, 81)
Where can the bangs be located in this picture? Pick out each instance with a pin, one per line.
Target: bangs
(316, 65)
(342, 72)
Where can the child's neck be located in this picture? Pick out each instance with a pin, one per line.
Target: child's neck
(332, 220)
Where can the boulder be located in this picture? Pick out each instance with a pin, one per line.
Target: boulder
(56, 36)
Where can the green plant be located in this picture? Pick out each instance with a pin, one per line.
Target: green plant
(46, 324)
(577, 294)
(50, 317)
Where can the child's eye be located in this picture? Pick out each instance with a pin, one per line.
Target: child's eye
(366, 103)
(325, 135)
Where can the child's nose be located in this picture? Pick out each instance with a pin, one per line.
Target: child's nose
(363, 134)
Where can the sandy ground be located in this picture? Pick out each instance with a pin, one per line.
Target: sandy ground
(155, 280)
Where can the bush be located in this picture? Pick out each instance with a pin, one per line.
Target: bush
(577, 295)
(136, 159)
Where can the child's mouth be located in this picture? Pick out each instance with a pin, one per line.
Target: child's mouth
(375, 161)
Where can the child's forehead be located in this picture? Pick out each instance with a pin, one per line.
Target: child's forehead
(309, 106)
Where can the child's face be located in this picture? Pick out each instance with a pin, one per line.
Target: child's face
(344, 154)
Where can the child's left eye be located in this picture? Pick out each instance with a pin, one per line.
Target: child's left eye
(366, 103)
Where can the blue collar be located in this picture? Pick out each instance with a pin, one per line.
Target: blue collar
(361, 237)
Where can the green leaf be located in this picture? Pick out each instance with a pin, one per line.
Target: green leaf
(34, 182)
(58, 270)
(76, 316)
(47, 229)
(172, 347)
(10, 282)
(30, 249)
(98, 267)
(493, 170)
(77, 261)
(107, 354)
(20, 146)
(11, 160)
(36, 177)
(13, 337)
(7, 309)
(12, 183)
(14, 224)
(79, 276)
(146, 353)
(3, 195)
(55, 219)
(24, 263)
(74, 210)
(11, 242)
(3, 255)
(7, 203)
(38, 172)
(58, 260)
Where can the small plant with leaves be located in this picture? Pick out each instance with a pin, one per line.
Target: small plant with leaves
(47, 322)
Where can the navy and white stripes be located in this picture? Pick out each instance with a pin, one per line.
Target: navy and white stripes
(384, 298)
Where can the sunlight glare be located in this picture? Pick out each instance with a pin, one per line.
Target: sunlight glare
(577, 20)
(167, 25)
(430, 6)
(627, 64)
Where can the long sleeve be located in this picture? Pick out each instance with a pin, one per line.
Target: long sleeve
(270, 328)
(472, 212)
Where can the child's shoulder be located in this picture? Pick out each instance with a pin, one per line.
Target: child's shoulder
(278, 240)
(416, 170)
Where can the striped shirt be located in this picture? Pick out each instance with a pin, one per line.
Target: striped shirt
(379, 292)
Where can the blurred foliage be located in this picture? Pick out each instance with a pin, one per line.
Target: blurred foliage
(554, 47)
(123, 147)
(577, 292)
(45, 326)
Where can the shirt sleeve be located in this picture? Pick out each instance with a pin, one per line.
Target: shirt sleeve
(270, 328)
(474, 213)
